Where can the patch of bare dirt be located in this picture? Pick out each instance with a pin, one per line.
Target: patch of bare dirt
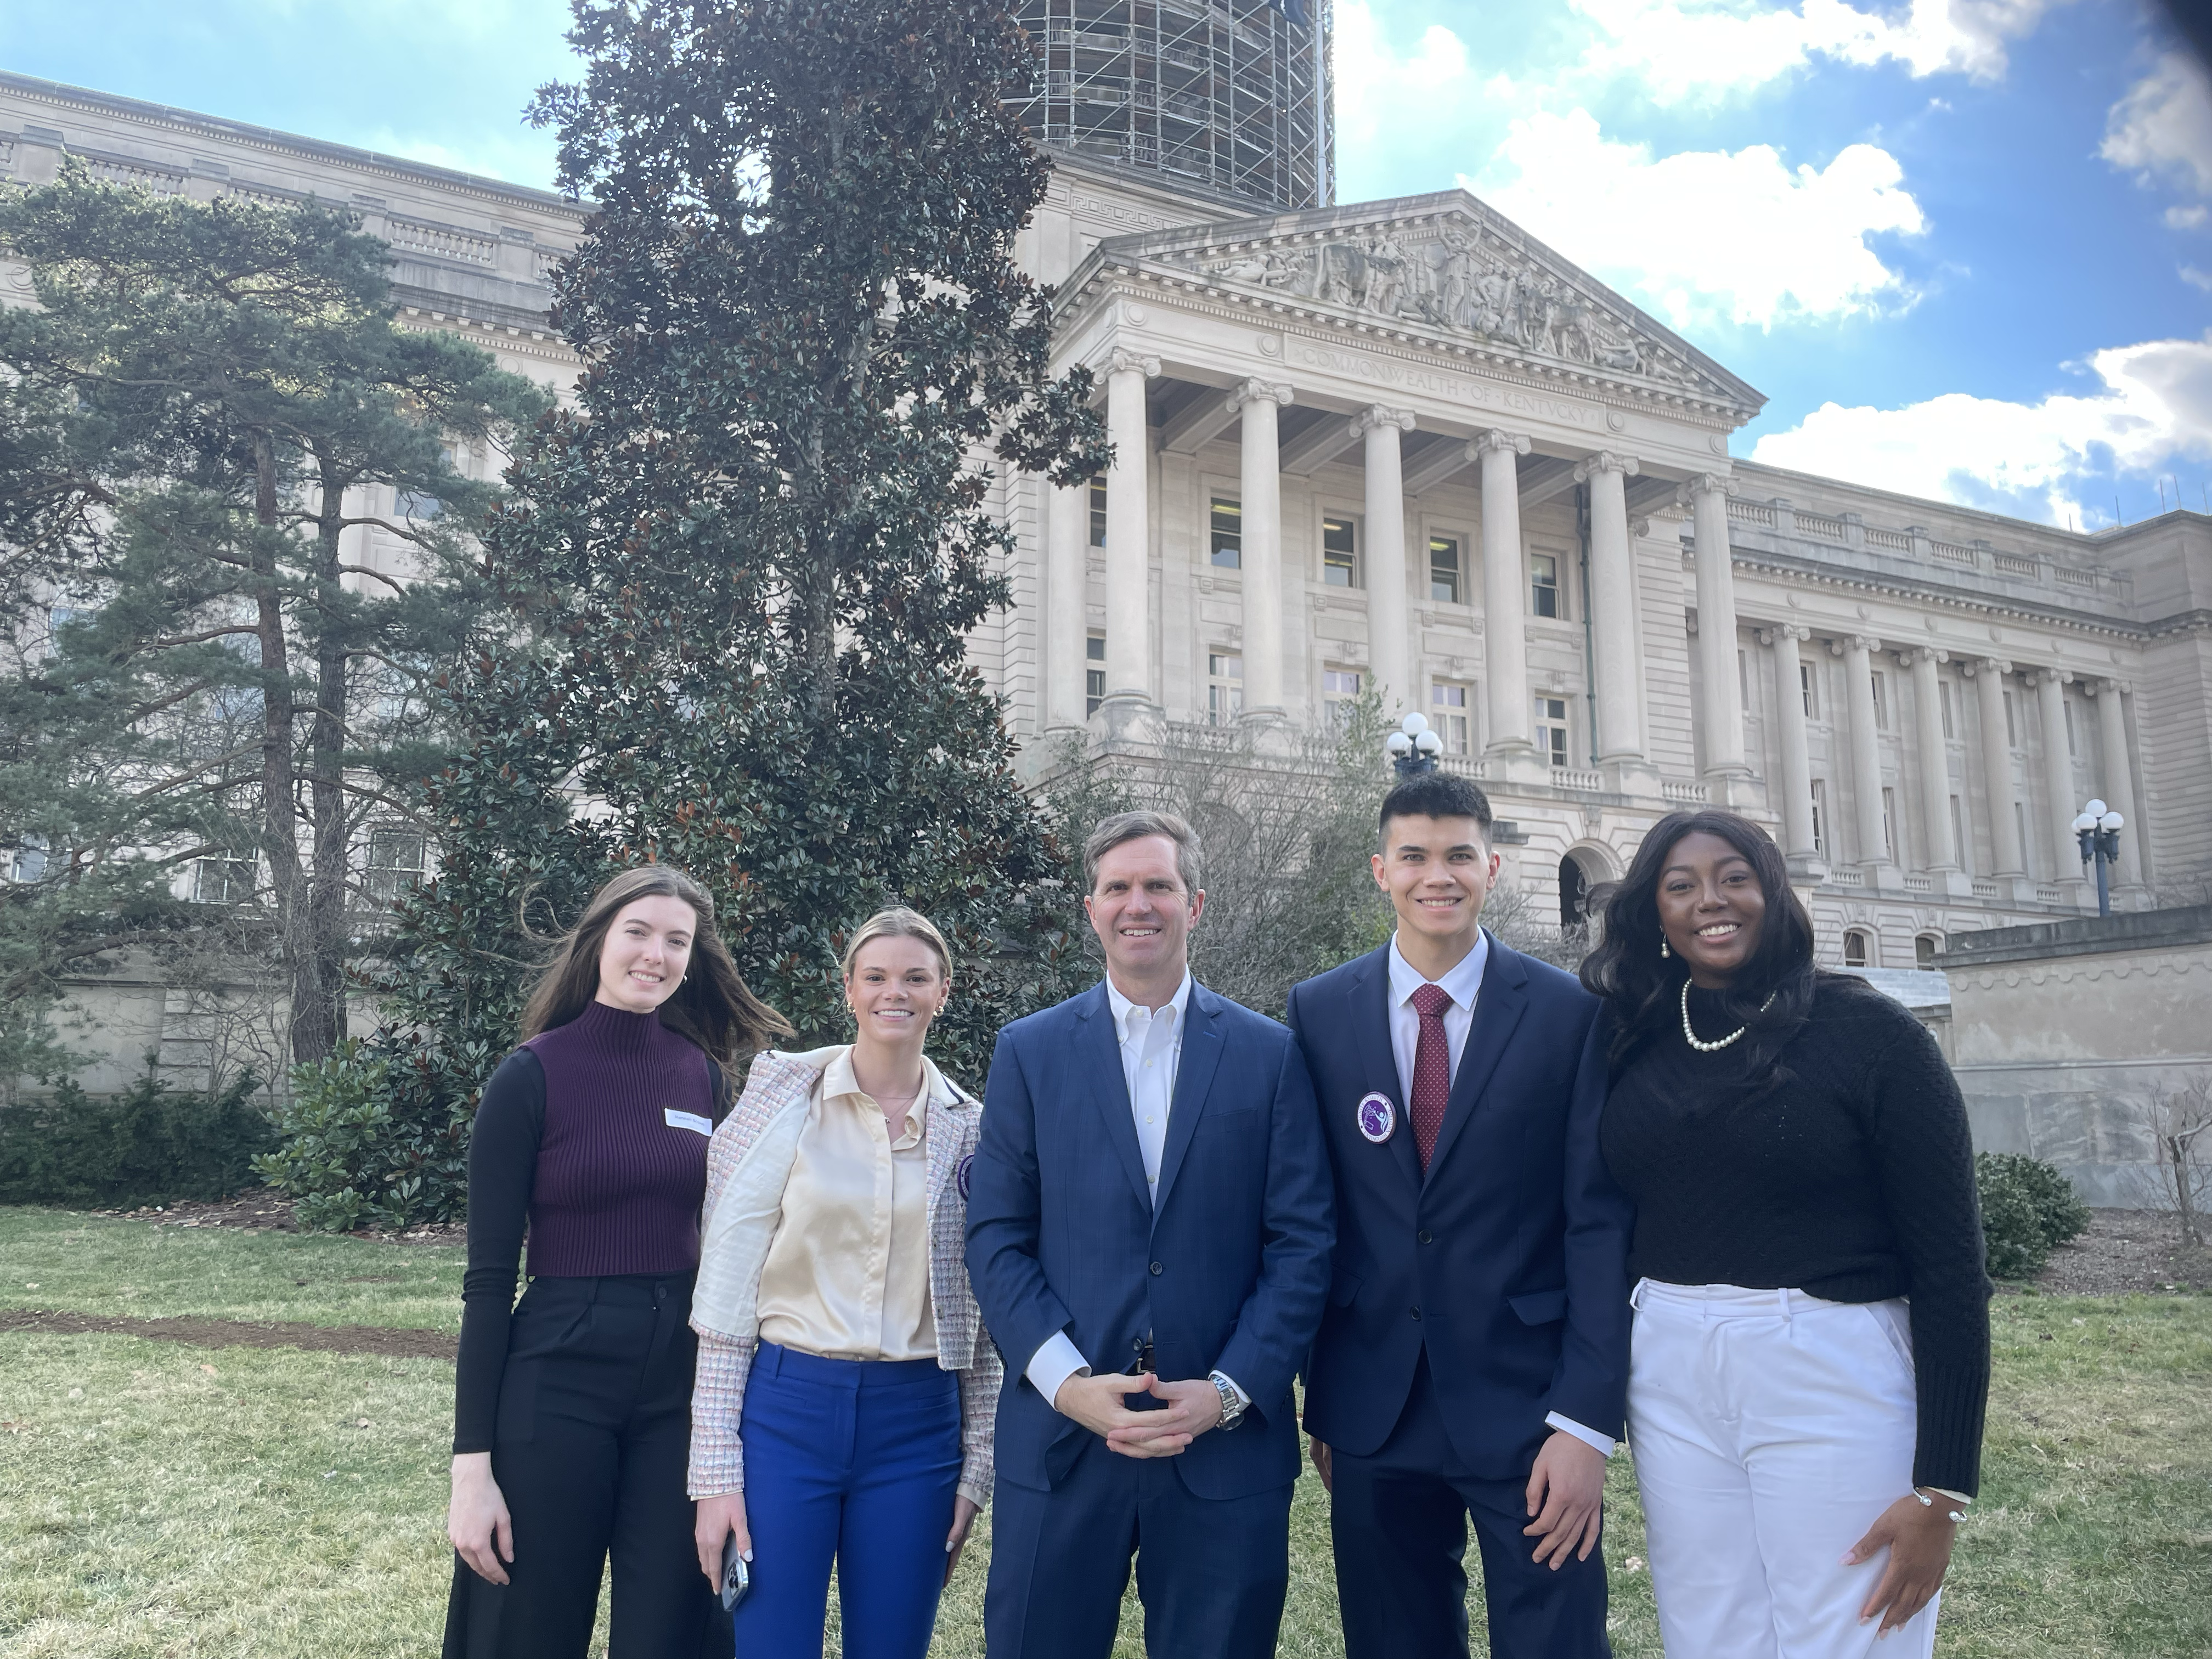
(2126, 1253)
(261, 1209)
(241, 1333)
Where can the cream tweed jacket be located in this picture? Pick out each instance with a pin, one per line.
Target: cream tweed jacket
(748, 1163)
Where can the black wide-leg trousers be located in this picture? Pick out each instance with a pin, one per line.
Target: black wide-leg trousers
(594, 1430)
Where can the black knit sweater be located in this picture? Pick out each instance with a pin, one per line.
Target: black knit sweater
(1851, 1179)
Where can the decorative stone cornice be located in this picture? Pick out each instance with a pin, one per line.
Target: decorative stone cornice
(1605, 460)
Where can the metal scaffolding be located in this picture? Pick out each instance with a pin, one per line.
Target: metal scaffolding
(1231, 95)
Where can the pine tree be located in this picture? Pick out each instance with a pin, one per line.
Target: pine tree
(744, 569)
(191, 419)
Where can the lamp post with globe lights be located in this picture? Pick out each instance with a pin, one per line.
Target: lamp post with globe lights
(1413, 748)
(2098, 830)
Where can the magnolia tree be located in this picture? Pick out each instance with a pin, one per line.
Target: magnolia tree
(742, 570)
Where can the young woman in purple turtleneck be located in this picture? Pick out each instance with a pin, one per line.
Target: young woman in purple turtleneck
(572, 1419)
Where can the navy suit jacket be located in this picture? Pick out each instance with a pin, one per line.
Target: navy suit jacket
(1508, 1261)
(1228, 1271)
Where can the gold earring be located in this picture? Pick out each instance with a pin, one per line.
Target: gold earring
(1663, 952)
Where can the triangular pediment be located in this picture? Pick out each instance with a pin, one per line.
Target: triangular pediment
(1444, 266)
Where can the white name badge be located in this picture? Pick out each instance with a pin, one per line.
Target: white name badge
(677, 1120)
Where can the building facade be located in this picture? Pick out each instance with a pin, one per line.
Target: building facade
(1403, 448)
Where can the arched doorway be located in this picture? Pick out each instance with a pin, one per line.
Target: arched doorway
(1574, 893)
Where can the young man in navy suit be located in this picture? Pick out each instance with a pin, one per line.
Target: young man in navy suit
(1148, 1235)
(1473, 1358)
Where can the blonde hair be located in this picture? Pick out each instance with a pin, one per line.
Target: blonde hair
(897, 922)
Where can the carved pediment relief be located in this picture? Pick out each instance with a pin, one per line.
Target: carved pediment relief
(1451, 274)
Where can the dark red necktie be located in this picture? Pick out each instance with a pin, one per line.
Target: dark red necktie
(1431, 1068)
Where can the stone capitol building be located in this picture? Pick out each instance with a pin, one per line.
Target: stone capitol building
(1401, 446)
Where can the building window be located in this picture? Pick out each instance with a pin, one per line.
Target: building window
(1945, 699)
(1880, 703)
(1543, 585)
(1444, 568)
(1094, 679)
(1854, 948)
(1820, 818)
(1227, 530)
(1339, 688)
(2012, 724)
(1448, 716)
(1924, 949)
(1742, 681)
(2019, 829)
(1224, 688)
(396, 860)
(1959, 835)
(1551, 729)
(28, 862)
(1098, 511)
(1805, 689)
(415, 505)
(223, 881)
(1889, 824)
(2070, 750)
(1339, 553)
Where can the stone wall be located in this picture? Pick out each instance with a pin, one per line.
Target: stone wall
(2062, 1033)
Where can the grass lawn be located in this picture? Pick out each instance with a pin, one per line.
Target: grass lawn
(158, 1499)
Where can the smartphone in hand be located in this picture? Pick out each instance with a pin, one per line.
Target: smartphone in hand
(736, 1576)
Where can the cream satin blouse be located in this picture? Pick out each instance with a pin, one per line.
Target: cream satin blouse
(847, 1274)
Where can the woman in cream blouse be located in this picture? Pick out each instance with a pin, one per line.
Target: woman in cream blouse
(843, 1406)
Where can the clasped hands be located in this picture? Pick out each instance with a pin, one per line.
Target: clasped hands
(1096, 1402)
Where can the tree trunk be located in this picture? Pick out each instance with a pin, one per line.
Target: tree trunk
(319, 1013)
(279, 828)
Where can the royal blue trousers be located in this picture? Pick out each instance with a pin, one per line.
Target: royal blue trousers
(853, 1463)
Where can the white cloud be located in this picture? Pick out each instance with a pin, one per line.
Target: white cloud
(1375, 87)
(1706, 234)
(2162, 127)
(1681, 49)
(2197, 278)
(2156, 404)
(2187, 218)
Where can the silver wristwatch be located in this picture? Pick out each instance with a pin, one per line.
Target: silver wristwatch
(1232, 1403)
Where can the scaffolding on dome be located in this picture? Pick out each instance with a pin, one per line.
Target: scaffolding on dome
(1231, 96)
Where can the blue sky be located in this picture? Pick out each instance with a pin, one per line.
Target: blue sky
(1965, 246)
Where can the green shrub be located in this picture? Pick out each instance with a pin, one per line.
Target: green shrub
(149, 1145)
(2029, 1209)
(360, 1147)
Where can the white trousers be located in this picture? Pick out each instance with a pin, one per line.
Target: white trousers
(1770, 1429)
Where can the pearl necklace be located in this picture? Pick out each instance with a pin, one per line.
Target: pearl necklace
(1690, 1036)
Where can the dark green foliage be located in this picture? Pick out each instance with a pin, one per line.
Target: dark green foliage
(189, 420)
(150, 1144)
(744, 570)
(2028, 1210)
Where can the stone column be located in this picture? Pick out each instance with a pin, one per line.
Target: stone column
(1720, 712)
(1796, 765)
(2116, 777)
(1858, 653)
(1066, 580)
(1128, 529)
(2050, 685)
(1612, 601)
(1504, 600)
(1934, 756)
(1259, 403)
(1989, 674)
(1389, 642)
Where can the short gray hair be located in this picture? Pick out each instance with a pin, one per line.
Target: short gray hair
(1135, 826)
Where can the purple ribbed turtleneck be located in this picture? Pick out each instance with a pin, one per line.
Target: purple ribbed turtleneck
(619, 1185)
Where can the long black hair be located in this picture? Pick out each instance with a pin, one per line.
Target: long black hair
(1641, 987)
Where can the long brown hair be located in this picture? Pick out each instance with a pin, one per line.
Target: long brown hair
(712, 1006)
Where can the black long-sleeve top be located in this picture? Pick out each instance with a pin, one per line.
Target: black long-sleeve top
(1852, 1179)
(593, 1138)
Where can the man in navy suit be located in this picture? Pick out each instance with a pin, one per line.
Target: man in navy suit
(1473, 1358)
(1148, 1235)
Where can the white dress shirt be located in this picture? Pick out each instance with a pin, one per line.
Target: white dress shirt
(1151, 1041)
(1462, 983)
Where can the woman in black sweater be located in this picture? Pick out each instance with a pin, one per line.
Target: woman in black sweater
(1811, 1357)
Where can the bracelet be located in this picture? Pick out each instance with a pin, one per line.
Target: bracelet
(1929, 1503)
